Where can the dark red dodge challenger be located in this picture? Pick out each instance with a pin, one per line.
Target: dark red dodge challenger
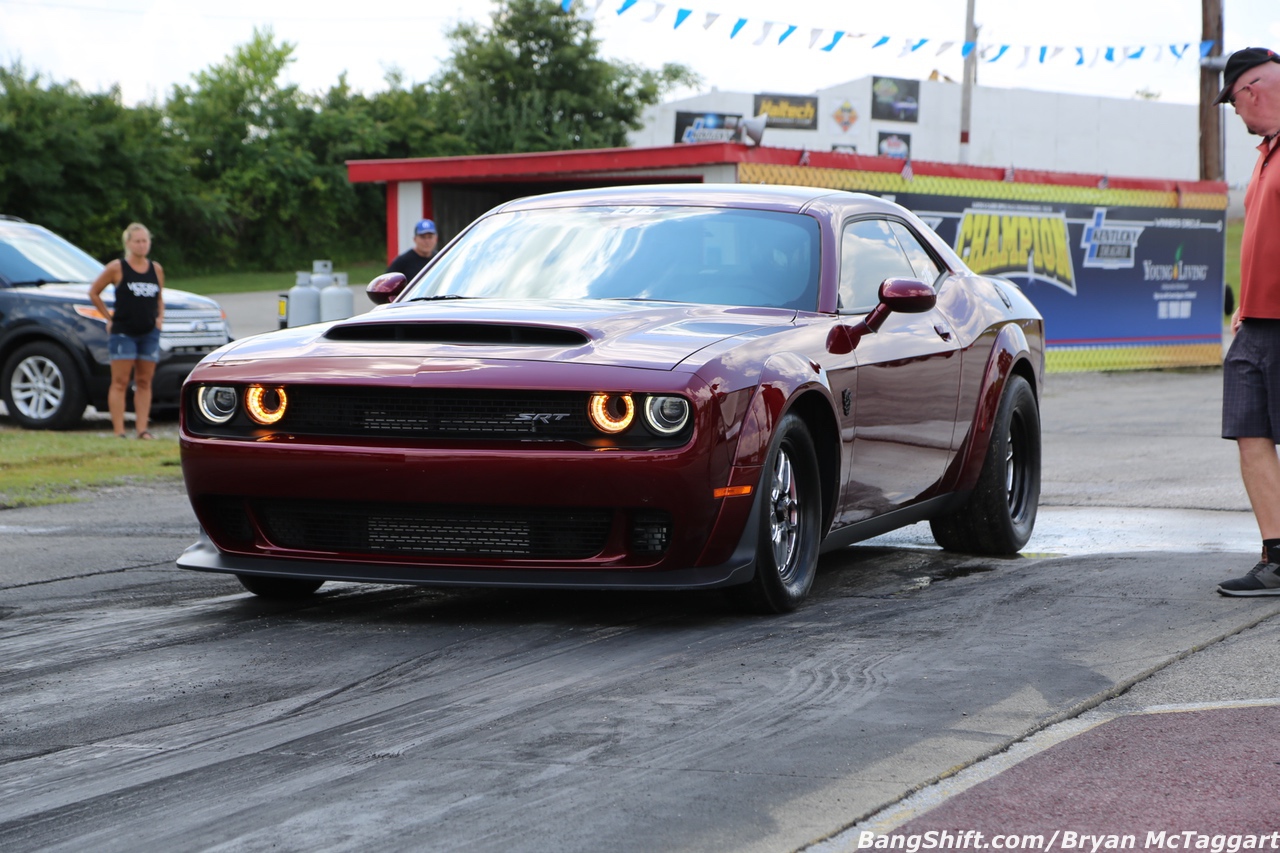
(685, 386)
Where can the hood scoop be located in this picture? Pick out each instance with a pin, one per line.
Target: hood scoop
(461, 334)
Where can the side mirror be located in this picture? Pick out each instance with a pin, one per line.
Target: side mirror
(900, 295)
(903, 296)
(385, 287)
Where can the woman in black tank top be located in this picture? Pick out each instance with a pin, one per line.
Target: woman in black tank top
(134, 324)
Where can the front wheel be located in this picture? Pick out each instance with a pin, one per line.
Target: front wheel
(999, 515)
(790, 501)
(280, 588)
(42, 387)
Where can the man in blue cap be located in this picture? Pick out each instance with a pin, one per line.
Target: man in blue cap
(1251, 371)
(425, 240)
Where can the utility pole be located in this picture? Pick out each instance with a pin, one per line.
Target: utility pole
(970, 79)
(1211, 66)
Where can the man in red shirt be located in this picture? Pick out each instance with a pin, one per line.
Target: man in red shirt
(1251, 371)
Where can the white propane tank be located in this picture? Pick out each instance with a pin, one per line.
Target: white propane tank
(304, 301)
(335, 300)
(321, 274)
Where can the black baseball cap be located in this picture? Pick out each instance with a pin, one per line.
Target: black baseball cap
(1240, 62)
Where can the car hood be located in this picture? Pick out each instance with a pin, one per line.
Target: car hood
(173, 298)
(649, 335)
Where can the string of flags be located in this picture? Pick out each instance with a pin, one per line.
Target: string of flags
(760, 32)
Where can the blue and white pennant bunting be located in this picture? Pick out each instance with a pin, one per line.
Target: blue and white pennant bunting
(774, 32)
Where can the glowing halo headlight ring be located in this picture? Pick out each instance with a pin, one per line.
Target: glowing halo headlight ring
(666, 416)
(217, 403)
(265, 405)
(611, 413)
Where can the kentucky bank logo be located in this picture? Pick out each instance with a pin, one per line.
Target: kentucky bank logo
(1110, 245)
(1020, 246)
(708, 129)
(1176, 271)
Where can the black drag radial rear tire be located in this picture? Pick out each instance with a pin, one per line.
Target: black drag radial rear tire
(1000, 513)
(790, 503)
(279, 588)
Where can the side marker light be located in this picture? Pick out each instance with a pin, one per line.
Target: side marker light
(733, 491)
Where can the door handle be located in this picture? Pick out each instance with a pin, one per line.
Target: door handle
(942, 330)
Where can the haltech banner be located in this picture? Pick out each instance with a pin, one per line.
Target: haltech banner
(796, 112)
(1125, 278)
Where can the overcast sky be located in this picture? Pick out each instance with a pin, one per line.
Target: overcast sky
(147, 46)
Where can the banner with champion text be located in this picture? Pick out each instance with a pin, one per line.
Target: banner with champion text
(1124, 278)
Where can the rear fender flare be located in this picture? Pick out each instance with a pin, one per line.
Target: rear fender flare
(1010, 353)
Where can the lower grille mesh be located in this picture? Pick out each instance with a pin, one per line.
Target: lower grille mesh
(392, 529)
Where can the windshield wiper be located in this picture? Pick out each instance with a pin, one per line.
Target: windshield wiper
(39, 281)
(439, 296)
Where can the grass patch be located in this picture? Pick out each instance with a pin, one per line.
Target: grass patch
(39, 467)
(252, 282)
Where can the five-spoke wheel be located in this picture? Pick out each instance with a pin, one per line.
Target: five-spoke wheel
(790, 505)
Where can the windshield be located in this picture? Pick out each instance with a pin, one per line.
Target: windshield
(31, 255)
(675, 254)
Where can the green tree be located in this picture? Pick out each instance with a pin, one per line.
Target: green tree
(237, 169)
(413, 122)
(534, 81)
(276, 157)
(84, 166)
(243, 131)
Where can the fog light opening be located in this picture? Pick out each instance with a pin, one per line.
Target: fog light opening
(650, 533)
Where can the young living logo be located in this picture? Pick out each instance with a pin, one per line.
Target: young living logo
(1176, 271)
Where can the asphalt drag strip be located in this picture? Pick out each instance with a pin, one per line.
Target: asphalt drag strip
(1185, 759)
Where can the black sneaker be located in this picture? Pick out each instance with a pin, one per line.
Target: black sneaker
(1263, 579)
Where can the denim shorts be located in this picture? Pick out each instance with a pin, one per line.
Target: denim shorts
(135, 347)
(1251, 382)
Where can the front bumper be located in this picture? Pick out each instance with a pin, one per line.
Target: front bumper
(468, 514)
(204, 556)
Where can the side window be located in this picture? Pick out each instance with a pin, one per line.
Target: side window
(927, 269)
(869, 253)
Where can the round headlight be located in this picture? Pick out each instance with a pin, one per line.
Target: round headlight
(265, 405)
(666, 415)
(611, 413)
(217, 403)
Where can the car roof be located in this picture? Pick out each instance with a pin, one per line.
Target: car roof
(764, 196)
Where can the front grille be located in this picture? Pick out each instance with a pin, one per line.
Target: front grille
(187, 329)
(406, 530)
(437, 413)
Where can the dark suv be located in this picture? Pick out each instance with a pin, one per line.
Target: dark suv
(53, 342)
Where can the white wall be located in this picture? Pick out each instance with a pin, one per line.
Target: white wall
(1009, 127)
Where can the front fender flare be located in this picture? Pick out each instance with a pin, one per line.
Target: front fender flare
(782, 379)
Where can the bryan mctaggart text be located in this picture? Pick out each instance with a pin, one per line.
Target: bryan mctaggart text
(1068, 840)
